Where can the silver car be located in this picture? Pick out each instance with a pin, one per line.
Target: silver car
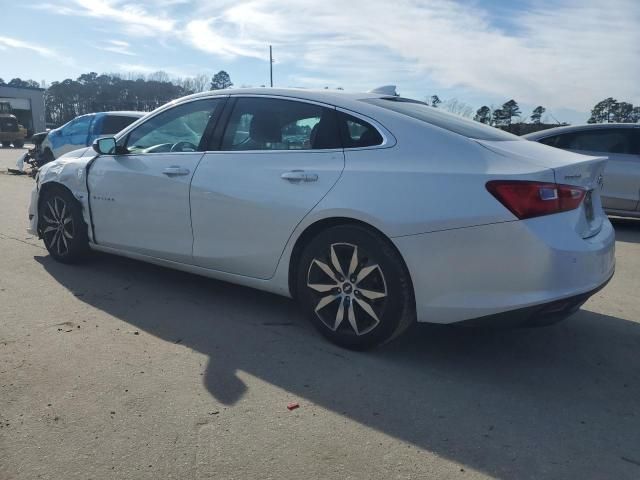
(372, 210)
(621, 143)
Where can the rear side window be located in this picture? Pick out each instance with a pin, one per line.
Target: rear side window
(274, 124)
(112, 124)
(614, 140)
(357, 133)
(433, 116)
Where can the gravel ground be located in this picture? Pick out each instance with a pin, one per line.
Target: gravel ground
(118, 369)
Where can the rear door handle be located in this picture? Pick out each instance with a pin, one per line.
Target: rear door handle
(295, 176)
(175, 170)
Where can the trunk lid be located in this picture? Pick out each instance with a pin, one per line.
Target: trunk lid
(569, 169)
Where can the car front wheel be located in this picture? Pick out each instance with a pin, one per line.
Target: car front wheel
(355, 287)
(62, 227)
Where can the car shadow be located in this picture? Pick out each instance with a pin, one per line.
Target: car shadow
(627, 229)
(555, 402)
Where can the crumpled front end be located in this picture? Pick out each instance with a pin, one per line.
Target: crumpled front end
(68, 171)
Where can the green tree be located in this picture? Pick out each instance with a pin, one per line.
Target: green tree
(498, 117)
(510, 109)
(91, 92)
(2, 82)
(635, 115)
(221, 80)
(622, 112)
(435, 101)
(483, 115)
(602, 112)
(18, 82)
(87, 78)
(536, 115)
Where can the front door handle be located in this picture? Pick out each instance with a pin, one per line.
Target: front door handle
(295, 176)
(175, 170)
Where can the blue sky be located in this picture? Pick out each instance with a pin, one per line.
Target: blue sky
(563, 54)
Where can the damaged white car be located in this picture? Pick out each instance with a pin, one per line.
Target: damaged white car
(373, 210)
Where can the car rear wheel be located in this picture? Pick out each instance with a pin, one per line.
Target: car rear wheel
(6, 144)
(62, 227)
(18, 143)
(355, 287)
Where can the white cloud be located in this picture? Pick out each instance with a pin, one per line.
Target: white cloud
(8, 42)
(561, 53)
(568, 53)
(117, 46)
(136, 20)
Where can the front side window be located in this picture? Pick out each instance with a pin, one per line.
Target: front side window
(178, 129)
(274, 124)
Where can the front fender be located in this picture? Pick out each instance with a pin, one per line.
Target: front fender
(69, 172)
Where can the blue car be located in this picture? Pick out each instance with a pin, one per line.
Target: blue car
(81, 132)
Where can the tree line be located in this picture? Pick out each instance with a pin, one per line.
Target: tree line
(91, 92)
(509, 116)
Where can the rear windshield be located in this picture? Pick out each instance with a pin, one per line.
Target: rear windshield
(423, 112)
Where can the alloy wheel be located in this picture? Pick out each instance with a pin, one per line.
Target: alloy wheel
(58, 228)
(350, 289)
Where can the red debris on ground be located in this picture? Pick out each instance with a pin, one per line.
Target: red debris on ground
(293, 405)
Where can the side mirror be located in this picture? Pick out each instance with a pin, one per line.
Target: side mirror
(105, 146)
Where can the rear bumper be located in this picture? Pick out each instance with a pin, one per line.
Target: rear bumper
(535, 315)
(478, 272)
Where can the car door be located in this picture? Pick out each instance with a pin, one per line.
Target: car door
(621, 189)
(139, 198)
(277, 159)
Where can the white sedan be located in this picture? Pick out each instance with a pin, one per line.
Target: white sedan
(373, 210)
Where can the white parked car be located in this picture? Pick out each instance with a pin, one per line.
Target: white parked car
(373, 210)
(620, 142)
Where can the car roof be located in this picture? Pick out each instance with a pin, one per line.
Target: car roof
(577, 128)
(325, 95)
(123, 113)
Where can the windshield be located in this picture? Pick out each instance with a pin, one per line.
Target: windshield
(423, 112)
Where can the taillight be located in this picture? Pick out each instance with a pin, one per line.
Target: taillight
(532, 199)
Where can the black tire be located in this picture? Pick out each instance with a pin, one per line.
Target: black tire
(18, 143)
(6, 144)
(379, 271)
(62, 227)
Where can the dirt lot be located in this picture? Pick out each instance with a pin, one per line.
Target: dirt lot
(117, 369)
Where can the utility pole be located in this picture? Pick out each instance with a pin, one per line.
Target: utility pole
(271, 64)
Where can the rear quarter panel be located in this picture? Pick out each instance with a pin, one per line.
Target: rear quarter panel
(430, 180)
